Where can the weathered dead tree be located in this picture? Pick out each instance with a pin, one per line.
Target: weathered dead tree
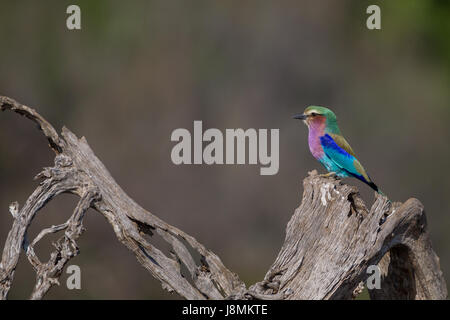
(330, 241)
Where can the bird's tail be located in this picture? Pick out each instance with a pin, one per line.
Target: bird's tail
(374, 187)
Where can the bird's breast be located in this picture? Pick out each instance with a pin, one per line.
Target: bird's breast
(314, 144)
(316, 129)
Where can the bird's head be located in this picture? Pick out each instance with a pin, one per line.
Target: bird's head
(316, 114)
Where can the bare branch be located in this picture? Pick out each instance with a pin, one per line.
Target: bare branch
(65, 248)
(53, 138)
(59, 181)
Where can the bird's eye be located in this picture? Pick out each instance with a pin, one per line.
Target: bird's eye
(313, 114)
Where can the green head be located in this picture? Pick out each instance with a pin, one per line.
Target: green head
(317, 114)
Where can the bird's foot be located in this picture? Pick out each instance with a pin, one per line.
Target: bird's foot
(329, 175)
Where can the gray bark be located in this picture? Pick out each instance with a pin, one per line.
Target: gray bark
(331, 239)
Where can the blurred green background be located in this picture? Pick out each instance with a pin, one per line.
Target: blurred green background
(140, 69)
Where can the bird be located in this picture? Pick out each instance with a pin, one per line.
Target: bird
(329, 147)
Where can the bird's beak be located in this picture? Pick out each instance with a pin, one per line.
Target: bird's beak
(300, 116)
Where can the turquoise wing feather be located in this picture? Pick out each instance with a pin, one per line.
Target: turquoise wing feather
(343, 159)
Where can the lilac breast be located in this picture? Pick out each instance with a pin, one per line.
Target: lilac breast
(316, 130)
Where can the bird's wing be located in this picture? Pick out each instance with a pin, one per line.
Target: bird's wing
(343, 156)
(341, 142)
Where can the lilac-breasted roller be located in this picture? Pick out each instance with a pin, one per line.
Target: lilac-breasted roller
(330, 148)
